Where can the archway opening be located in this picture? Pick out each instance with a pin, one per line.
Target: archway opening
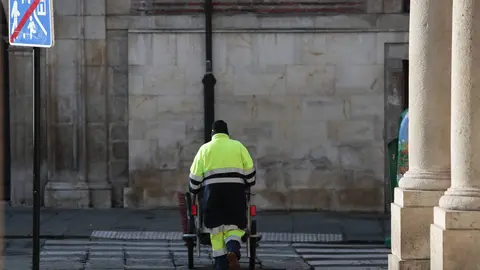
(5, 106)
(405, 83)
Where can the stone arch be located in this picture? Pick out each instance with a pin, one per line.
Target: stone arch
(4, 13)
(4, 6)
(4, 105)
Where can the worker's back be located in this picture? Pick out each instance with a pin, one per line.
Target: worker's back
(222, 152)
(224, 191)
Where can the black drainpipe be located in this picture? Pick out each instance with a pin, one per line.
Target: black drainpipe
(208, 79)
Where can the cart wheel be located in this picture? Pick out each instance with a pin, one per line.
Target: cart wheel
(190, 230)
(253, 246)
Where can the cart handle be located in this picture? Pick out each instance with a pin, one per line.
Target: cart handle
(194, 201)
(249, 193)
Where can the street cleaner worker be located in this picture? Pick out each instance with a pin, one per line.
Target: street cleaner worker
(224, 169)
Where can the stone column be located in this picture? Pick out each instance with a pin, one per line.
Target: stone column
(3, 69)
(429, 134)
(455, 234)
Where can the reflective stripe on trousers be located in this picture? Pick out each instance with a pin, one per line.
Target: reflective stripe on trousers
(219, 241)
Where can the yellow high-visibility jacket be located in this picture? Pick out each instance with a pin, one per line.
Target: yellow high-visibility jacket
(224, 168)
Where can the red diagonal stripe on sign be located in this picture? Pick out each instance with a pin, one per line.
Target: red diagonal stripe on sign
(24, 19)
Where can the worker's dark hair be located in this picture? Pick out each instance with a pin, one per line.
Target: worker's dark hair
(219, 127)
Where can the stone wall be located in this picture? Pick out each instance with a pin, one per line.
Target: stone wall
(21, 125)
(121, 124)
(309, 106)
(162, 7)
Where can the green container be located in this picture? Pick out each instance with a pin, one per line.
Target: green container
(392, 161)
(402, 160)
(398, 158)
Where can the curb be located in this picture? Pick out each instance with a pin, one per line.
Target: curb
(59, 237)
(363, 242)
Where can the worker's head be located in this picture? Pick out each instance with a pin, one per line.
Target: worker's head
(219, 127)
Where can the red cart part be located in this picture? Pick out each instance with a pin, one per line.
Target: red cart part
(253, 210)
(183, 210)
(194, 210)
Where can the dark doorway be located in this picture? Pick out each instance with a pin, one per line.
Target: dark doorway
(6, 110)
(396, 101)
(406, 6)
(405, 83)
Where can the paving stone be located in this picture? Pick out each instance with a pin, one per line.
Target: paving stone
(97, 255)
(61, 265)
(147, 267)
(159, 261)
(266, 236)
(16, 262)
(285, 263)
(141, 248)
(344, 256)
(106, 264)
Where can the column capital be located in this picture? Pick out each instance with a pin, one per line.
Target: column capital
(418, 179)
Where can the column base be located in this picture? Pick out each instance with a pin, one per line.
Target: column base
(425, 180)
(454, 239)
(412, 215)
(395, 263)
(77, 195)
(461, 199)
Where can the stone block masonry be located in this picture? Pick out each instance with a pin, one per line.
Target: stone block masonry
(123, 112)
(154, 7)
(169, 7)
(309, 106)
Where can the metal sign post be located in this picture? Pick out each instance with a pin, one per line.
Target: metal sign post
(31, 25)
(36, 160)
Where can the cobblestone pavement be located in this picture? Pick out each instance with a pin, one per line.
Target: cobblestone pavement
(74, 223)
(84, 254)
(266, 236)
(17, 254)
(110, 254)
(343, 256)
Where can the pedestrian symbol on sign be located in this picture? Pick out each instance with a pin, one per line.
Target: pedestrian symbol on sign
(32, 28)
(15, 14)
